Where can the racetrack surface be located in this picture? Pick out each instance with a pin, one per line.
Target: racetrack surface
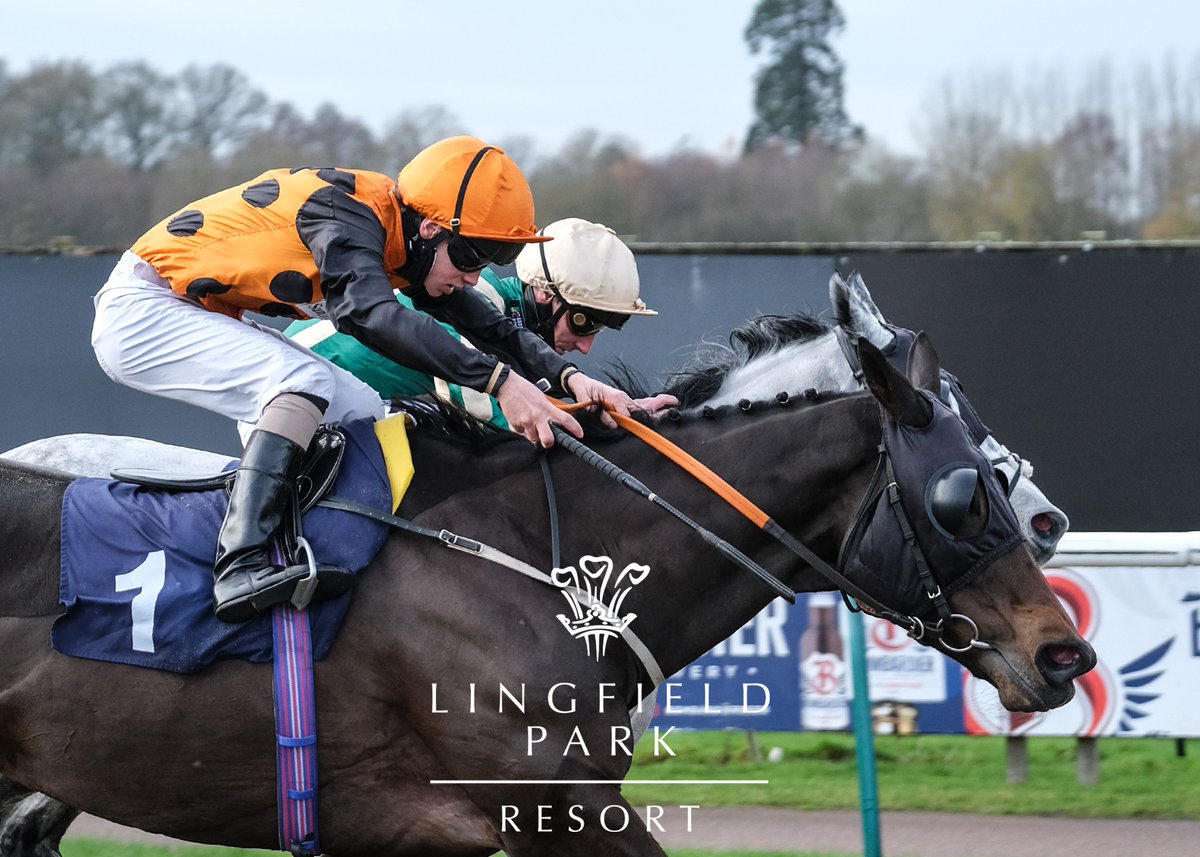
(905, 834)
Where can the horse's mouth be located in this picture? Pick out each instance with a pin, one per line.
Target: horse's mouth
(1042, 551)
(1020, 689)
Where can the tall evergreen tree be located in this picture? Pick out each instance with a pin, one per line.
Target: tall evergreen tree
(799, 92)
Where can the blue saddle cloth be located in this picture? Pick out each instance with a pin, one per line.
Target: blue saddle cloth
(137, 567)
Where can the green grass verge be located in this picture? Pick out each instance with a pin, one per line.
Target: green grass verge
(106, 848)
(1139, 777)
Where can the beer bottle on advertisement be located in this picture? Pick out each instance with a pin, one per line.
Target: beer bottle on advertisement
(824, 697)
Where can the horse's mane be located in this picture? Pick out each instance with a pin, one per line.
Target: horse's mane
(447, 421)
(693, 384)
(701, 376)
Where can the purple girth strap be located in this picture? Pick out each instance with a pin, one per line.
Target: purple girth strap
(295, 731)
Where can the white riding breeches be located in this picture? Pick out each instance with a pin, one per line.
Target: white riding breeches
(149, 338)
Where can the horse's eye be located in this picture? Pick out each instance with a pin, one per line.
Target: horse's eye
(1003, 479)
(956, 501)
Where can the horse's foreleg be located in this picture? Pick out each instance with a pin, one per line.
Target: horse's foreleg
(35, 827)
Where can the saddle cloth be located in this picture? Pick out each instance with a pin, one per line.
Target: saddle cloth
(136, 575)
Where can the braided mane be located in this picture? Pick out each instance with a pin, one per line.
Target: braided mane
(704, 373)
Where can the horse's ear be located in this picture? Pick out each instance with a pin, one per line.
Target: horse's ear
(923, 367)
(855, 311)
(895, 392)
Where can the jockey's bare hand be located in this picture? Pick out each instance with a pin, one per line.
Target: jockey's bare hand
(655, 405)
(530, 413)
(586, 389)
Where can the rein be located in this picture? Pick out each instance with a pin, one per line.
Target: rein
(611, 470)
(485, 551)
(855, 597)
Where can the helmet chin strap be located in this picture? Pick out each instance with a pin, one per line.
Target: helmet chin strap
(419, 252)
(544, 318)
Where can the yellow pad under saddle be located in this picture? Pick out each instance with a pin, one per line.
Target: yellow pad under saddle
(393, 440)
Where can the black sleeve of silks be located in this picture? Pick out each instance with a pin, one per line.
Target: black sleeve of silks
(347, 241)
(478, 319)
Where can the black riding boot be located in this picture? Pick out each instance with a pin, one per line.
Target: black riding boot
(246, 582)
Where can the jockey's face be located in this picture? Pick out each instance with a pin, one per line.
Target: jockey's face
(565, 339)
(444, 278)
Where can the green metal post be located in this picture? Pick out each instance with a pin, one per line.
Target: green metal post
(864, 739)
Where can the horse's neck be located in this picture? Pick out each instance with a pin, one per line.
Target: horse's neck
(813, 364)
(806, 465)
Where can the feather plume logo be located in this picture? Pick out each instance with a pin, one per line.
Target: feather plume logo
(595, 595)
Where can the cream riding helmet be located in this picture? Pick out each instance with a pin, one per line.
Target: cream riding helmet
(592, 273)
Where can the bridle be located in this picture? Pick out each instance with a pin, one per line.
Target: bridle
(917, 624)
(931, 632)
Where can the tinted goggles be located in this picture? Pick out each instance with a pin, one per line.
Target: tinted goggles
(585, 321)
(473, 254)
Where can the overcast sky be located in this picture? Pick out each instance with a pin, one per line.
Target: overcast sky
(663, 73)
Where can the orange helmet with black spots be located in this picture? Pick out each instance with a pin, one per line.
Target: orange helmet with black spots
(472, 189)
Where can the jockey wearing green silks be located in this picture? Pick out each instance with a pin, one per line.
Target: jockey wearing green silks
(566, 290)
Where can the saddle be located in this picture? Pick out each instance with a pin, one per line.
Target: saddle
(157, 546)
(318, 472)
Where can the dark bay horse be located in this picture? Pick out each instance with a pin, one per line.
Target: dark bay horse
(520, 746)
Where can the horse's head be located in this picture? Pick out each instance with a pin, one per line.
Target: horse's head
(937, 546)
(1042, 523)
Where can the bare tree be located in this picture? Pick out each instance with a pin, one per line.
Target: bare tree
(56, 113)
(583, 180)
(965, 138)
(1090, 169)
(338, 141)
(281, 143)
(884, 197)
(414, 129)
(10, 121)
(219, 108)
(136, 101)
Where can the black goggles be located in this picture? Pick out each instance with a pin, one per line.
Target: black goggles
(473, 254)
(584, 321)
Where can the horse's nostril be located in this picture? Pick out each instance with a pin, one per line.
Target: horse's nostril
(1062, 656)
(1043, 524)
(1060, 663)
